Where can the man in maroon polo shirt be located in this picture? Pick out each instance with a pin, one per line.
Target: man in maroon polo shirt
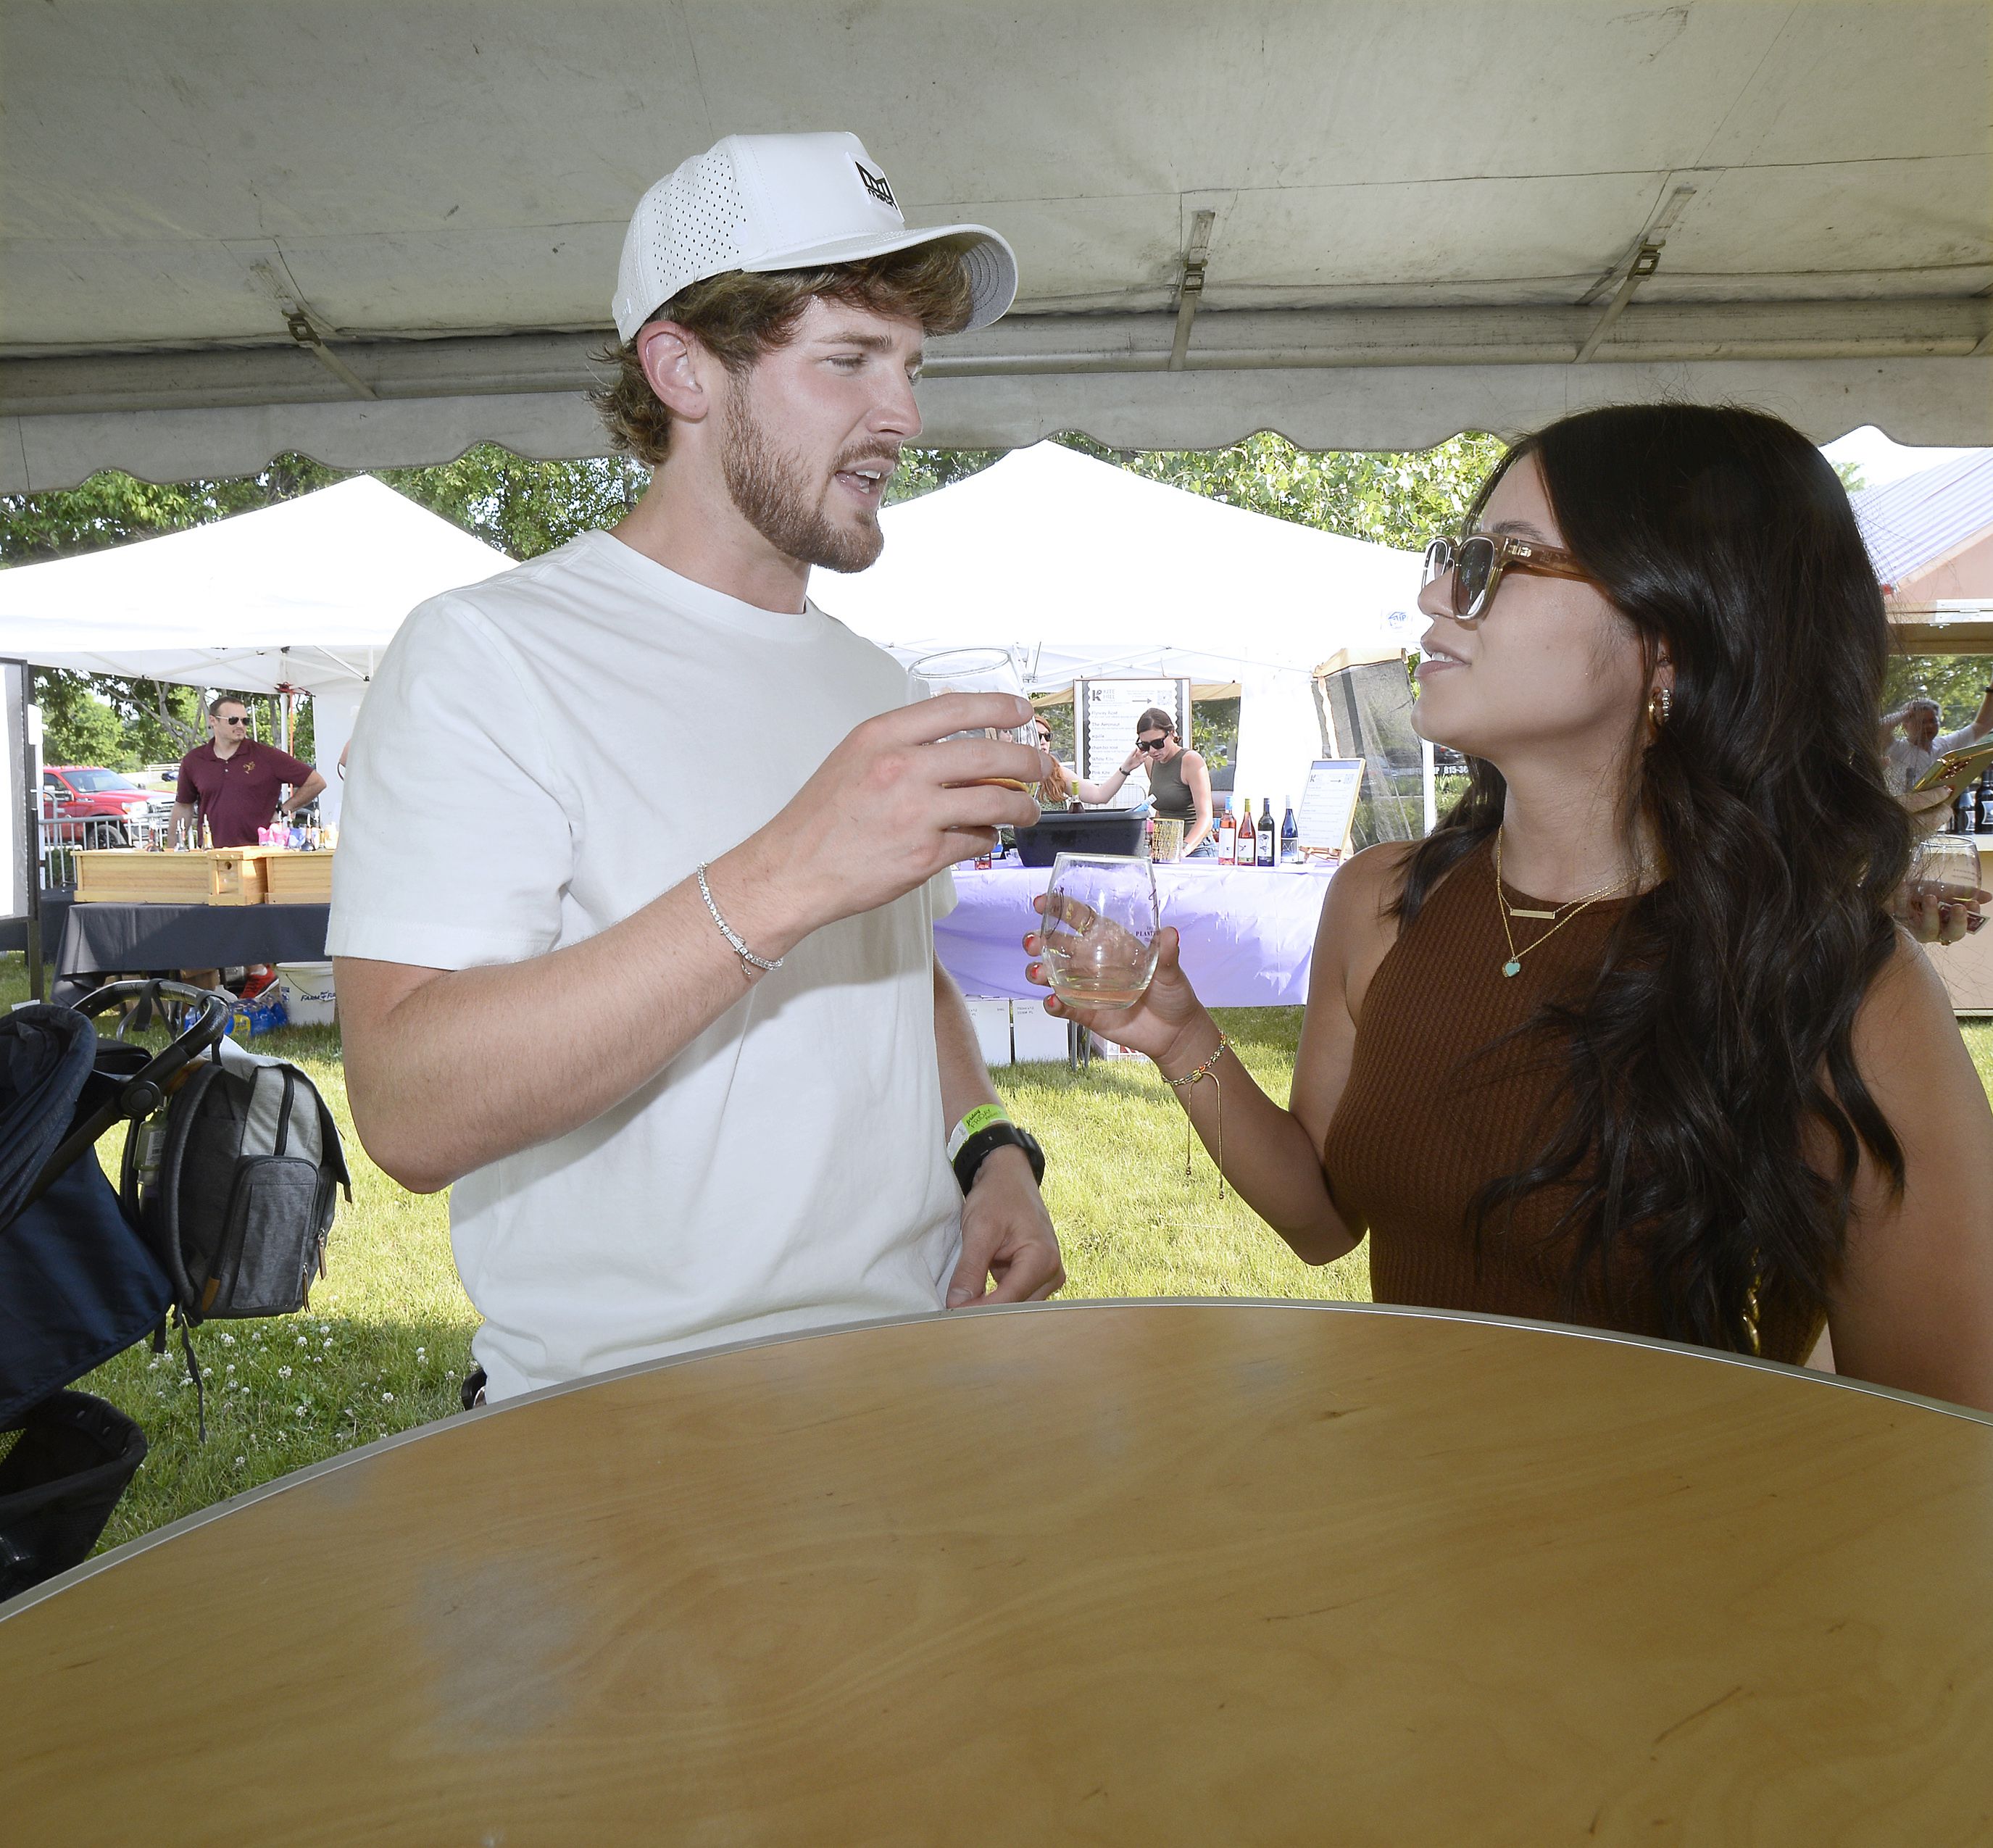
(235, 784)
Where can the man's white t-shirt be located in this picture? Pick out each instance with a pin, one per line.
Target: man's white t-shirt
(542, 755)
(1907, 761)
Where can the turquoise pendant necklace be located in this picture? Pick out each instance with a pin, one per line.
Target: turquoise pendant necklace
(1514, 965)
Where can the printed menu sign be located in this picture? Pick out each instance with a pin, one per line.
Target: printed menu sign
(1106, 715)
(1328, 804)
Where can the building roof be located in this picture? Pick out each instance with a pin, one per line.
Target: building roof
(1912, 523)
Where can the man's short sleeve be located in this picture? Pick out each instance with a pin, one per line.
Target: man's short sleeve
(293, 771)
(455, 839)
(184, 790)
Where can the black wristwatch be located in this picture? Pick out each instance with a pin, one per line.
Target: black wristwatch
(977, 1147)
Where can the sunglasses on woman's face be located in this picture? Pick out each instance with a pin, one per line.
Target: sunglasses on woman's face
(1478, 561)
(1152, 744)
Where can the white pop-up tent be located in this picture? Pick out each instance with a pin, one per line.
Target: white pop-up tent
(300, 597)
(1082, 568)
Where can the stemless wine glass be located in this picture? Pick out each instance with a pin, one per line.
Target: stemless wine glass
(1099, 938)
(980, 671)
(1944, 871)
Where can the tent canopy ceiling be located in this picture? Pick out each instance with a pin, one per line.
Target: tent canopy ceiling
(1420, 213)
(302, 596)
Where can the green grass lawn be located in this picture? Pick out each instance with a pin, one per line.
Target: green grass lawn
(387, 1338)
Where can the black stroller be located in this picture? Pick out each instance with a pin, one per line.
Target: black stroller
(78, 1283)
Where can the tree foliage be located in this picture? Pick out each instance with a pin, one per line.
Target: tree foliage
(1396, 500)
(1957, 682)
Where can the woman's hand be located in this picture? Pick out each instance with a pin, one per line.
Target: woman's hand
(1930, 918)
(1168, 1010)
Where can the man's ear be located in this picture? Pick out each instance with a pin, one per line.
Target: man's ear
(676, 365)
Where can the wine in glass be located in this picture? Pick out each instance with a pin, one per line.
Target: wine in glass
(1944, 872)
(1099, 938)
(980, 671)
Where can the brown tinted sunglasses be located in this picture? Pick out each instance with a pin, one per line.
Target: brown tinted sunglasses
(1477, 562)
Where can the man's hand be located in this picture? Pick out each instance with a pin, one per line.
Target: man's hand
(1929, 808)
(1006, 1237)
(898, 799)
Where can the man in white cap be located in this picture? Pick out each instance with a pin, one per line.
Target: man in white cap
(680, 1041)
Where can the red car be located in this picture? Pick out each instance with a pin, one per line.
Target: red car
(85, 806)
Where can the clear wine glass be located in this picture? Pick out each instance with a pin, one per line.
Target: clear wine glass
(980, 671)
(1944, 871)
(1099, 938)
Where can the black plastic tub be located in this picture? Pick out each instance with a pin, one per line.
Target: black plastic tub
(1094, 831)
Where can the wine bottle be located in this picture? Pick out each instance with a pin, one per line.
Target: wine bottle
(1267, 848)
(1241, 834)
(1290, 835)
(1228, 834)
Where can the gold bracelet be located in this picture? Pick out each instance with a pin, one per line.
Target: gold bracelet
(1193, 1078)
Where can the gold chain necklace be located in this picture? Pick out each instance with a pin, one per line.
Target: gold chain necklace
(1514, 965)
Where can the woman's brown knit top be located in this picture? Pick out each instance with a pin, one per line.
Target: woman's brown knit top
(1436, 1107)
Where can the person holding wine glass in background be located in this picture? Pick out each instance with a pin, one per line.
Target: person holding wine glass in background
(1631, 1040)
(1179, 781)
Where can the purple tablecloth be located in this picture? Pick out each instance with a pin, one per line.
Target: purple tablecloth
(1248, 932)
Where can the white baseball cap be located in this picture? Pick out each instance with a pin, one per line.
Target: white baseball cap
(765, 202)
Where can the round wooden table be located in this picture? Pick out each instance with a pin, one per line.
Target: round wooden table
(1153, 1573)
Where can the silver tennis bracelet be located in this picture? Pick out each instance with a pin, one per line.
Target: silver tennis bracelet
(733, 936)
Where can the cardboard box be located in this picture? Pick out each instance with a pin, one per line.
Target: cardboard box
(216, 876)
(991, 1022)
(1035, 1034)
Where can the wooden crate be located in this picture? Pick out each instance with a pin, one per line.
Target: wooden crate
(220, 875)
(299, 879)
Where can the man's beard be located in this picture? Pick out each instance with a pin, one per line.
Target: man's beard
(771, 489)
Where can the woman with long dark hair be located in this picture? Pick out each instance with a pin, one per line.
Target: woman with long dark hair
(1631, 1040)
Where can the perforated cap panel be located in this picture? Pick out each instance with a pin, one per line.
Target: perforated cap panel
(771, 202)
(687, 226)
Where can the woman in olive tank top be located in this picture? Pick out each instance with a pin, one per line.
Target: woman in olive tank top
(1632, 1040)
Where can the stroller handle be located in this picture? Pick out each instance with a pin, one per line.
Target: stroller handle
(145, 1090)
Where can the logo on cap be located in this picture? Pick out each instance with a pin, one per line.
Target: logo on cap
(875, 184)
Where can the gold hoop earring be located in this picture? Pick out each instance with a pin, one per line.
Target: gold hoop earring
(1660, 704)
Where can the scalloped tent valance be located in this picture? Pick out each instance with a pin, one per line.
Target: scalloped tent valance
(380, 232)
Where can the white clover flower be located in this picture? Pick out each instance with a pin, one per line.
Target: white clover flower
(303, 1342)
(420, 1352)
(325, 1328)
(231, 1366)
(387, 1398)
(208, 1373)
(283, 1373)
(240, 1462)
(301, 1411)
(228, 1340)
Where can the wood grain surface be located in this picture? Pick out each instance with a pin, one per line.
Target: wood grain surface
(1155, 1573)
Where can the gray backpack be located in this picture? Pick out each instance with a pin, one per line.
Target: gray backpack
(234, 1182)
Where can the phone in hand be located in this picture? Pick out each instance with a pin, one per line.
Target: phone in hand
(1958, 766)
